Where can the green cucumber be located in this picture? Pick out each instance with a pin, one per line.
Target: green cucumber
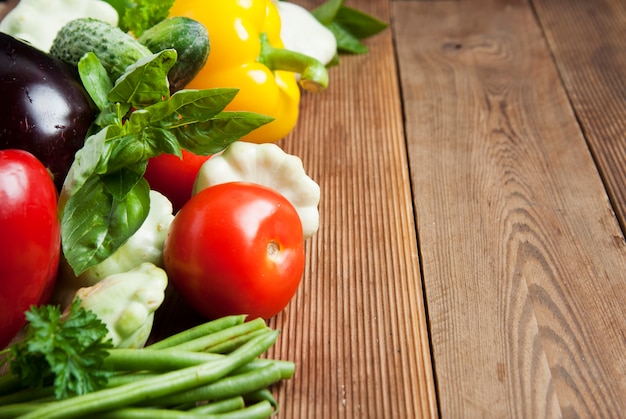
(115, 49)
(189, 38)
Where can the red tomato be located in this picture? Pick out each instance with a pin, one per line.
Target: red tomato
(236, 248)
(174, 177)
(30, 238)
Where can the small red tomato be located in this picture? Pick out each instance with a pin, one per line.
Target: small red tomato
(174, 177)
(30, 238)
(236, 248)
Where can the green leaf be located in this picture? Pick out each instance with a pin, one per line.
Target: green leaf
(162, 140)
(67, 350)
(219, 132)
(128, 150)
(95, 79)
(359, 24)
(89, 160)
(349, 25)
(326, 12)
(346, 42)
(189, 106)
(114, 114)
(139, 15)
(137, 148)
(145, 82)
(119, 184)
(95, 224)
(138, 120)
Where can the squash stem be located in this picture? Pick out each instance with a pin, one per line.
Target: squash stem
(313, 74)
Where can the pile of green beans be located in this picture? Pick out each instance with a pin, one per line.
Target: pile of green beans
(210, 371)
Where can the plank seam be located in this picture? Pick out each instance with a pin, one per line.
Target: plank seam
(613, 200)
(415, 215)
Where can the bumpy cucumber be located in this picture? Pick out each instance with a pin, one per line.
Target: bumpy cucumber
(115, 49)
(189, 38)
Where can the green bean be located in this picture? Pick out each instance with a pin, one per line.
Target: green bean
(220, 406)
(198, 331)
(26, 395)
(14, 410)
(261, 410)
(196, 367)
(47, 393)
(147, 413)
(260, 395)
(170, 359)
(154, 388)
(206, 342)
(232, 408)
(44, 394)
(287, 368)
(256, 411)
(9, 383)
(235, 342)
(129, 377)
(161, 360)
(230, 386)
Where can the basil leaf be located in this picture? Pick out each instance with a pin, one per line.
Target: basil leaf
(163, 140)
(184, 107)
(128, 150)
(359, 24)
(137, 121)
(94, 224)
(145, 82)
(219, 132)
(134, 148)
(119, 184)
(95, 79)
(326, 12)
(89, 160)
(346, 42)
(187, 106)
(114, 114)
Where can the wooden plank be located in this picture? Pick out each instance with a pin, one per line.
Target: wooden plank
(523, 261)
(357, 328)
(588, 41)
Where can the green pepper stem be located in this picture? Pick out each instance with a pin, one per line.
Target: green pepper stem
(313, 74)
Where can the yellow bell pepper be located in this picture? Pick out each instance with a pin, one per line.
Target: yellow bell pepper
(247, 53)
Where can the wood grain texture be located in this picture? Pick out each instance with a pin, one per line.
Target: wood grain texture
(357, 327)
(588, 41)
(522, 257)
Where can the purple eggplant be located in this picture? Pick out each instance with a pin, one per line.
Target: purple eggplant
(44, 108)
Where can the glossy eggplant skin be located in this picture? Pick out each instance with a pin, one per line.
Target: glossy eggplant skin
(44, 108)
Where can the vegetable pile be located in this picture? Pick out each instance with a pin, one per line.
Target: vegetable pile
(137, 155)
(65, 368)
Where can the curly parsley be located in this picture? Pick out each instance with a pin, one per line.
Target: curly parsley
(65, 349)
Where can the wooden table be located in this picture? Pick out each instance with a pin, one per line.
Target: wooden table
(471, 259)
